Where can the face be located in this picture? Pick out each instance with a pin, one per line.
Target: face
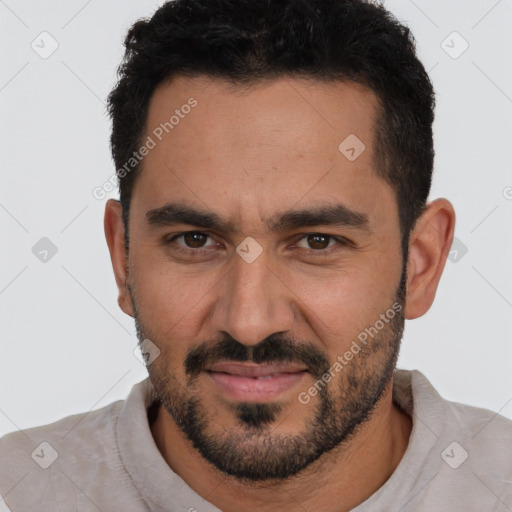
(265, 265)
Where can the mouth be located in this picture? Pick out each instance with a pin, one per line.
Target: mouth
(249, 382)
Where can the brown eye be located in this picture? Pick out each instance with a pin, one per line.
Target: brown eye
(321, 244)
(318, 241)
(191, 240)
(194, 239)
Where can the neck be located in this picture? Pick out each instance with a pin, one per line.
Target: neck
(338, 481)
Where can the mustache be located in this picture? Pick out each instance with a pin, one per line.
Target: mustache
(275, 348)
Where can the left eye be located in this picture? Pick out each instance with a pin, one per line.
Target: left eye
(317, 241)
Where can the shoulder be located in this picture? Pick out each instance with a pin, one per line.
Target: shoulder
(481, 435)
(465, 437)
(39, 462)
(75, 458)
(458, 457)
(76, 434)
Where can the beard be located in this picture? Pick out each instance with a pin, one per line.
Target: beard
(255, 450)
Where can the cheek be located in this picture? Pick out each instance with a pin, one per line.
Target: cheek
(339, 304)
(169, 296)
(336, 308)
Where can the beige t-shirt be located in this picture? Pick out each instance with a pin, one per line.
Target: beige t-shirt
(459, 458)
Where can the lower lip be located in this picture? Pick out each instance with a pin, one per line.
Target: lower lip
(247, 389)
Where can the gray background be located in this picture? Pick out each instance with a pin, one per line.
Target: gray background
(65, 345)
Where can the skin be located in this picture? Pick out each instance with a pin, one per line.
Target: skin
(248, 155)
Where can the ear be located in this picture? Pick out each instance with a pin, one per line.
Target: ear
(429, 246)
(114, 233)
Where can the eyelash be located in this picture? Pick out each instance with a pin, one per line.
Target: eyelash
(343, 242)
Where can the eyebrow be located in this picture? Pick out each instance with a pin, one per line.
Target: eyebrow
(324, 215)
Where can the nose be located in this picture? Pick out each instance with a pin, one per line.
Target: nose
(253, 303)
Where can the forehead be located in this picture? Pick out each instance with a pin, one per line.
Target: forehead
(247, 152)
(302, 114)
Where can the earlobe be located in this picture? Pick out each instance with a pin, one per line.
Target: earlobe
(429, 246)
(114, 234)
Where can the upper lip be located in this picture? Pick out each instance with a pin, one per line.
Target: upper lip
(254, 370)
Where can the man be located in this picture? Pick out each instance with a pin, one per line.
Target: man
(272, 235)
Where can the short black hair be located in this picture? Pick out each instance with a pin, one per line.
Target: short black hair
(250, 41)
